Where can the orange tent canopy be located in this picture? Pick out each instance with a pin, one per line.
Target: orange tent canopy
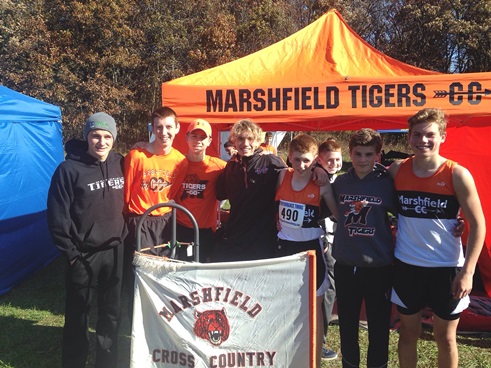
(325, 77)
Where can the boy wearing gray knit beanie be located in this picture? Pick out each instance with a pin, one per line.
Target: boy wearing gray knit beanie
(102, 121)
(85, 219)
(100, 133)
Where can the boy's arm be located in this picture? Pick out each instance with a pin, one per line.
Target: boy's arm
(222, 193)
(328, 196)
(394, 168)
(141, 144)
(60, 198)
(281, 176)
(320, 176)
(128, 179)
(468, 198)
(180, 171)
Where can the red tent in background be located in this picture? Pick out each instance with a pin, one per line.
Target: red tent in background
(325, 77)
(468, 146)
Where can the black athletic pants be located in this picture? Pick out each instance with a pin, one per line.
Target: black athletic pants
(353, 285)
(206, 243)
(330, 294)
(93, 273)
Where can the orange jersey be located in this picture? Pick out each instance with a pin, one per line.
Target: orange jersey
(149, 179)
(269, 148)
(198, 192)
(298, 210)
(428, 210)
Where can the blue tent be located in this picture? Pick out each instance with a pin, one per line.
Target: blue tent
(30, 150)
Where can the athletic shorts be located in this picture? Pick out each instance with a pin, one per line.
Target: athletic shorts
(155, 230)
(416, 287)
(288, 248)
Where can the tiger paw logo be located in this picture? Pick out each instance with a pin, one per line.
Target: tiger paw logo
(356, 207)
(212, 325)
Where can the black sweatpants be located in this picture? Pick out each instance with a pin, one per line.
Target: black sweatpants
(155, 230)
(353, 285)
(330, 294)
(98, 272)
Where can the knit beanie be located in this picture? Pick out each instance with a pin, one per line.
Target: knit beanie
(100, 120)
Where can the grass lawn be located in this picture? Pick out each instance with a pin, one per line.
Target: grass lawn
(31, 320)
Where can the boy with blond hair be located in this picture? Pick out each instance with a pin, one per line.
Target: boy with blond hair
(248, 182)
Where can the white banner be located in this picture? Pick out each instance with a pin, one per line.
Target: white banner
(238, 314)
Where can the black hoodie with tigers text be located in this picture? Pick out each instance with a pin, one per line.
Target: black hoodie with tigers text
(85, 202)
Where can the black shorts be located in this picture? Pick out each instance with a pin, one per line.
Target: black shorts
(155, 230)
(416, 287)
(288, 248)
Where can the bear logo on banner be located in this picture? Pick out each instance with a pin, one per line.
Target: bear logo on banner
(212, 325)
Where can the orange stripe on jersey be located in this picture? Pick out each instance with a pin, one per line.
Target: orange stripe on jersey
(440, 182)
(310, 195)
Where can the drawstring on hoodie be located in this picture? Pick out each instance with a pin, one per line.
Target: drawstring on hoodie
(105, 176)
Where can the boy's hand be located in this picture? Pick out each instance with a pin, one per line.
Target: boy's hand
(458, 230)
(462, 285)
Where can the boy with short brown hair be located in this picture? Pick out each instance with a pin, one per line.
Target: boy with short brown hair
(267, 145)
(198, 192)
(330, 156)
(363, 249)
(85, 219)
(299, 204)
(430, 267)
(331, 159)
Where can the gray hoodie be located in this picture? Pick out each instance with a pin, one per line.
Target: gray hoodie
(363, 235)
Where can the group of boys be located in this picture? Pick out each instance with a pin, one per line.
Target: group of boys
(88, 187)
(95, 201)
(427, 266)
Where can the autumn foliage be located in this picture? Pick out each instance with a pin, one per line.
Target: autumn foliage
(113, 55)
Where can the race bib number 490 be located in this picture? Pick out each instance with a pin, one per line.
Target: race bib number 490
(291, 214)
